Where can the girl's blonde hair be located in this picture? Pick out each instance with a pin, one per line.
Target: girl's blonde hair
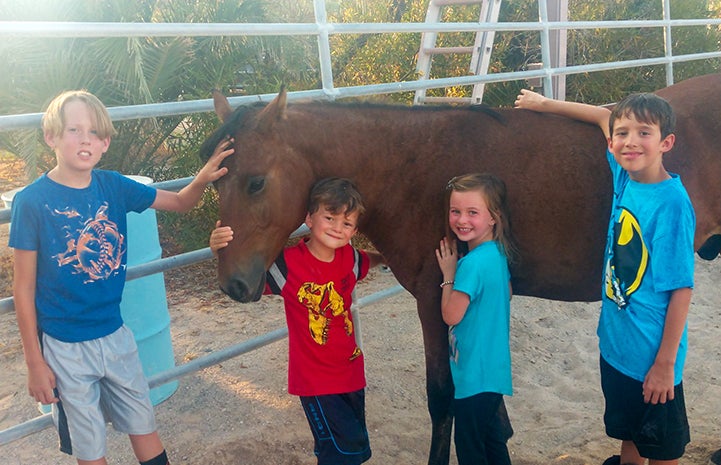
(53, 121)
(493, 190)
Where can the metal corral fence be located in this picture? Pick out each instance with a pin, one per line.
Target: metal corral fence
(322, 29)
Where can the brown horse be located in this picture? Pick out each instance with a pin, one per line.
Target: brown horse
(401, 158)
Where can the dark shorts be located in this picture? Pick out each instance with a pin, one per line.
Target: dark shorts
(482, 429)
(659, 431)
(338, 424)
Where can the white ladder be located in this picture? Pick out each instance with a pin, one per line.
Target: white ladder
(480, 52)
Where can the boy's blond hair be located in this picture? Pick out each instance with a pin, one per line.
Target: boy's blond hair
(53, 121)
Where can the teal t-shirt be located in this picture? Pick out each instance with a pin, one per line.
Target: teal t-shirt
(479, 343)
(649, 254)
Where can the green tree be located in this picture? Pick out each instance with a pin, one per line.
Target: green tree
(391, 57)
(140, 70)
(120, 71)
(599, 46)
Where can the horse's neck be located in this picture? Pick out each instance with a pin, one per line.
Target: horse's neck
(360, 140)
(386, 153)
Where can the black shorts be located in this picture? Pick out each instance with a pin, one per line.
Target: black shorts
(659, 431)
(339, 428)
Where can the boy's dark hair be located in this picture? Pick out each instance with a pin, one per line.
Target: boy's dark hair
(338, 195)
(647, 108)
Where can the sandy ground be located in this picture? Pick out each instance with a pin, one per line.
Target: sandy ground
(239, 411)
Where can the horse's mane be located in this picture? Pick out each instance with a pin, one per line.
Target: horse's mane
(476, 108)
(230, 126)
(227, 129)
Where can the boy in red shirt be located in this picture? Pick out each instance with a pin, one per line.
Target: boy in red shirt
(316, 278)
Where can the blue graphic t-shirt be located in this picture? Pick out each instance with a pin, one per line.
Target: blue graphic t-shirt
(649, 254)
(479, 344)
(80, 238)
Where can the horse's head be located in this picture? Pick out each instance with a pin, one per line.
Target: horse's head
(263, 196)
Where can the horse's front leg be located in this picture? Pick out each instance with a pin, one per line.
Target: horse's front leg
(439, 385)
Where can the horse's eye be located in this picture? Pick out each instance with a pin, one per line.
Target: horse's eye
(256, 185)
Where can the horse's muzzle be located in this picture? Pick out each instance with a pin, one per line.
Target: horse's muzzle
(242, 282)
(238, 289)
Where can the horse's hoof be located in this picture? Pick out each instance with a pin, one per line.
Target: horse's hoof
(613, 460)
(715, 458)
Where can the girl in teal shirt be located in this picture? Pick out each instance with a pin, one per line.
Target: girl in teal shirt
(476, 305)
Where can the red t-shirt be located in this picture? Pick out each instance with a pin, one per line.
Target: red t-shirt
(323, 355)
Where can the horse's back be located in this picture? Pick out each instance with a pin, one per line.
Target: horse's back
(695, 156)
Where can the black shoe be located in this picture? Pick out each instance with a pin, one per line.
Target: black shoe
(614, 460)
(715, 458)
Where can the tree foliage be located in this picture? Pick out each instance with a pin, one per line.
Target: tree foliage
(391, 57)
(140, 70)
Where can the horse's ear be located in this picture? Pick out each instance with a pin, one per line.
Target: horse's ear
(222, 107)
(275, 111)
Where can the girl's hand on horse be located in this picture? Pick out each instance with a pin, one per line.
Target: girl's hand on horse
(212, 171)
(220, 237)
(447, 255)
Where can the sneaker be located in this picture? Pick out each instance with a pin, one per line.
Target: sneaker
(615, 460)
(715, 458)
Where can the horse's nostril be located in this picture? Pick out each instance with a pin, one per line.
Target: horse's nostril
(237, 290)
(242, 282)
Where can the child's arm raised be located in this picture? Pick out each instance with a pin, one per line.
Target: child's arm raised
(453, 303)
(190, 195)
(579, 111)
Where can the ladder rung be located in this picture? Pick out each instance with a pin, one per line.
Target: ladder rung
(447, 50)
(461, 100)
(456, 2)
(480, 51)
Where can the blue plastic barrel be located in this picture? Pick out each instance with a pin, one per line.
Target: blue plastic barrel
(144, 306)
(7, 197)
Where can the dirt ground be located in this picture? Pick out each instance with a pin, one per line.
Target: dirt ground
(239, 411)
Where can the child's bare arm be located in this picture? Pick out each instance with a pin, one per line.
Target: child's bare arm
(190, 195)
(659, 382)
(579, 111)
(453, 303)
(41, 379)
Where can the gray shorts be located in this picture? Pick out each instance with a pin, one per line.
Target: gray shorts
(99, 381)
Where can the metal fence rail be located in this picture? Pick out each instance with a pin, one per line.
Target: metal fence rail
(45, 421)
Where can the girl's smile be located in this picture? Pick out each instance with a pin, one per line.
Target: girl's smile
(470, 219)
